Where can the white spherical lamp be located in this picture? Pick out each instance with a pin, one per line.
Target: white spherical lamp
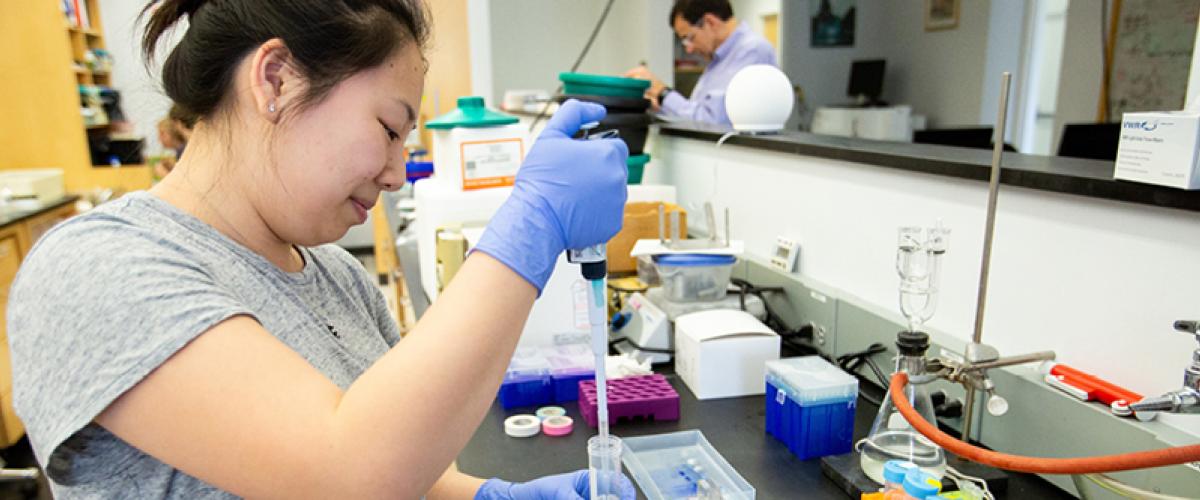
(759, 99)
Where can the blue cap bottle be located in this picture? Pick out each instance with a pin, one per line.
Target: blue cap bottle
(921, 485)
(894, 472)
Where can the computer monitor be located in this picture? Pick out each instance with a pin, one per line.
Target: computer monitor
(963, 137)
(1097, 141)
(866, 80)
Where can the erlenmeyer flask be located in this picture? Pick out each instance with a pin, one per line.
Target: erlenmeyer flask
(891, 437)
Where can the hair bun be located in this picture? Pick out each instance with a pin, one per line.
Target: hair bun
(190, 7)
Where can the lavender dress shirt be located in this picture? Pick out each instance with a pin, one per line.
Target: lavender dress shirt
(743, 48)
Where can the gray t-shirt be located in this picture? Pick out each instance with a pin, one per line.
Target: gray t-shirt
(104, 298)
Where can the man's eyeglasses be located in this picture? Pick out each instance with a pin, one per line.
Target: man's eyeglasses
(689, 38)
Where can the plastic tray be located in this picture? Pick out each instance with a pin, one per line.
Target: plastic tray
(664, 466)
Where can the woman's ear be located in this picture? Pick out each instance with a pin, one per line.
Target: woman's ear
(274, 82)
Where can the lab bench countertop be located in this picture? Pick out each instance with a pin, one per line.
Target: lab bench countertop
(734, 426)
(19, 211)
(1073, 176)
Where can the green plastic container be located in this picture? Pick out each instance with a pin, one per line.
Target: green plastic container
(637, 167)
(613, 86)
(471, 113)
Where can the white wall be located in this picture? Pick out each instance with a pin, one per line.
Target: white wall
(1100, 282)
(1004, 48)
(1082, 67)
(823, 73)
(751, 11)
(142, 97)
(532, 41)
(939, 73)
(1193, 90)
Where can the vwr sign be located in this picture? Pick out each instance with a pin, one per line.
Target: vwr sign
(1159, 148)
(1144, 125)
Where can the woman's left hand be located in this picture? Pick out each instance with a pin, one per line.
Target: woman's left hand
(569, 486)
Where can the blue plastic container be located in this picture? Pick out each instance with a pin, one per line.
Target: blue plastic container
(527, 381)
(566, 385)
(546, 375)
(526, 390)
(417, 170)
(568, 365)
(810, 406)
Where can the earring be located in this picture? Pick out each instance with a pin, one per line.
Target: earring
(271, 107)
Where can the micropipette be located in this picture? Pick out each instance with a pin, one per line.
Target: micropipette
(592, 262)
(604, 451)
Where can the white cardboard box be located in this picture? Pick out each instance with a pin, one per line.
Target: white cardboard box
(723, 353)
(43, 184)
(1159, 148)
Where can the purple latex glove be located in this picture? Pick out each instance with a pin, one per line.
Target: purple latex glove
(569, 486)
(568, 194)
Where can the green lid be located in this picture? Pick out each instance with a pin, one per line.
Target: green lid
(637, 166)
(470, 113)
(638, 160)
(602, 85)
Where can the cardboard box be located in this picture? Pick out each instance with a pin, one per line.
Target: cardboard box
(723, 353)
(641, 222)
(1159, 148)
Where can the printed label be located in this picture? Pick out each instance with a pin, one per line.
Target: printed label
(579, 295)
(493, 163)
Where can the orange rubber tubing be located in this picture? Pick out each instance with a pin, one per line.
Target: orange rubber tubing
(1087, 465)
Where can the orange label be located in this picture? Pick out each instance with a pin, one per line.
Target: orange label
(488, 164)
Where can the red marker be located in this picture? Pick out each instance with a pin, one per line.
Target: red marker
(1088, 387)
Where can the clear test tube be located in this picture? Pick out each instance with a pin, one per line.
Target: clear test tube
(604, 467)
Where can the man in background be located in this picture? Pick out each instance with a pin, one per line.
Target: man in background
(708, 28)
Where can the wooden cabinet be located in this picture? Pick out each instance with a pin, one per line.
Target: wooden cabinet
(15, 241)
(10, 258)
(45, 61)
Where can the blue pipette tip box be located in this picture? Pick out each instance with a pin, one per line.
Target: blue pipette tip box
(810, 406)
(546, 375)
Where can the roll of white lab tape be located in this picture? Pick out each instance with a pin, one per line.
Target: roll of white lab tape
(522, 426)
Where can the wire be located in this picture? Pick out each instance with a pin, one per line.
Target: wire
(959, 477)
(774, 322)
(578, 61)
(851, 361)
(1038, 465)
(801, 338)
(1119, 488)
(640, 348)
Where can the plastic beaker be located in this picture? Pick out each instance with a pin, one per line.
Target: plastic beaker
(604, 467)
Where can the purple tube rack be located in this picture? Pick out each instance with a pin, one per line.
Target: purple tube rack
(644, 396)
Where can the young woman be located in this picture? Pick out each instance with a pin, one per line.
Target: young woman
(202, 339)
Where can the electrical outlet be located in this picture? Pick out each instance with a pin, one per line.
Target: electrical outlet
(787, 254)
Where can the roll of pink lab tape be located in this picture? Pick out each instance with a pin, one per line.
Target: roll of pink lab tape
(522, 426)
(558, 425)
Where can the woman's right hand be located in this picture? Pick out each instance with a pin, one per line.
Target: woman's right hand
(568, 194)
